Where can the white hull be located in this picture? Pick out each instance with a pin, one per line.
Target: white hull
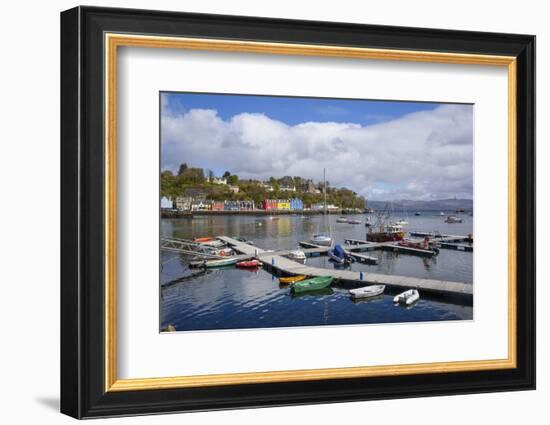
(408, 297)
(367, 291)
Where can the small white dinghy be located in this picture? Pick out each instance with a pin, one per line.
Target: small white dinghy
(408, 297)
(367, 291)
(297, 255)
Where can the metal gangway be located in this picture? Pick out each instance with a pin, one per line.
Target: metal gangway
(194, 250)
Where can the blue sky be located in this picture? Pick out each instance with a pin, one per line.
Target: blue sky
(296, 110)
(383, 150)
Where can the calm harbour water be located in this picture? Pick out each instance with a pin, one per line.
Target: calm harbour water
(237, 299)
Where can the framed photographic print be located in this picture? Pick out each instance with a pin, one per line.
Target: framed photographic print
(261, 212)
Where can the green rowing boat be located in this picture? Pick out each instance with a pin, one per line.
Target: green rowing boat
(313, 284)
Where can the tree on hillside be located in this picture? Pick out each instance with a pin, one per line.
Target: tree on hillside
(182, 169)
(226, 175)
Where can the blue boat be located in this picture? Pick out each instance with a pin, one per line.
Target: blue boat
(337, 254)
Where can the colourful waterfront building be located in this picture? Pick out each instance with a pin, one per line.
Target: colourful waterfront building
(296, 204)
(183, 203)
(166, 203)
(270, 204)
(283, 204)
(197, 205)
(218, 206)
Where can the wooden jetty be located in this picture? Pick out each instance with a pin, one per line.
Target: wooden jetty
(323, 250)
(361, 245)
(437, 289)
(444, 238)
(457, 246)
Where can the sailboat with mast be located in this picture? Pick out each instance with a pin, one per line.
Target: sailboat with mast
(324, 237)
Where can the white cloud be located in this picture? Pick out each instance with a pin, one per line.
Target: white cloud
(422, 155)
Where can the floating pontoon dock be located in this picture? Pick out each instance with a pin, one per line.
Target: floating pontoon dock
(276, 263)
(359, 245)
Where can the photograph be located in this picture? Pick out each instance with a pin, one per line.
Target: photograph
(279, 211)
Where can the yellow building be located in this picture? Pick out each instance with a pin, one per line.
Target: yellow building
(283, 205)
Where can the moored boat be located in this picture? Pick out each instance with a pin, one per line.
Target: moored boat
(408, 297)
(249, 264)
(386, 234)
(354, 221)
(297, 255)
(453, 219)
(292, 279)
(202, 240)
(321, 239)
(220, 263)
(341, 220)
(313, 284)
(367, 291)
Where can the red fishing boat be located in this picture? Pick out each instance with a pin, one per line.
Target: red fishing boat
(386, 234)
(249, 264)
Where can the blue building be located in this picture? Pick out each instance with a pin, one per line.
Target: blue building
(296, 204)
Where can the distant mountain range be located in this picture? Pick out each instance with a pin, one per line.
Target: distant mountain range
(435, 205)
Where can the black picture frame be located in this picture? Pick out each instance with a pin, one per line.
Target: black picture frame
(83, 392)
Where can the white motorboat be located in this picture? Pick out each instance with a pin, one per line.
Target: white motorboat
(408, 297)
(341, 220)
(322, 239)
(367, 291)
(453, 219)
(354, 221)
(401, 222)
(442, 214)
(297, 255)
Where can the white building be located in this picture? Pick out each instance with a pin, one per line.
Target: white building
(218, 180)
(166, 203)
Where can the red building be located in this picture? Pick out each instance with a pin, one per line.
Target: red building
(270, 204)
(218, 206)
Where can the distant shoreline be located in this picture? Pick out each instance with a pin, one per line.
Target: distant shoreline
(188, 214)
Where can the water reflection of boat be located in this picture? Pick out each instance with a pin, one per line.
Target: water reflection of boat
(367, 300)
(316, 293)
(191, 275)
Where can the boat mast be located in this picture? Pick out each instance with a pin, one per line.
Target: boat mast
(325, 191)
